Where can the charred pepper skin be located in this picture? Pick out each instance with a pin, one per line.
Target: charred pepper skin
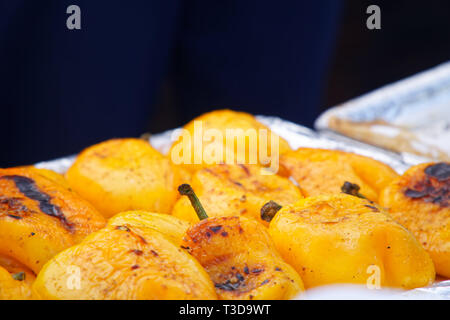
(321, 171)
(420, 201)
(39, 217)
(241, 260)
(230, 190)
(239, 256)
(137, 256)
(332, 239)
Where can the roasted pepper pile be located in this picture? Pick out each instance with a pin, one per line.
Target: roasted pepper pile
(127, 222)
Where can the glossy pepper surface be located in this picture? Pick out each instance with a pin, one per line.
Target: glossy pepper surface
(344, 239)
(39, 218)
(15, 280)
(225, 136)
(420, 200)
(124, 174)
(128, 259)
(230, 190)
(240, 257)
(320, 171)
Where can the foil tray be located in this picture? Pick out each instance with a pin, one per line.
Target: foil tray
(299, 136)
(411, 116)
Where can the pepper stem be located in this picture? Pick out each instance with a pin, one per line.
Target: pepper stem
(352, 189)
(186, 190)
(145, 136)
(20, 276)
(269, 210)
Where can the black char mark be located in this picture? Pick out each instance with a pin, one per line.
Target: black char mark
(415, 194)
(374, 209)
(433, 187)
(13, 207)
(245, 169)
(227, 286)
(215, 229)
(29, 189)
(231, 285)
(440, 171)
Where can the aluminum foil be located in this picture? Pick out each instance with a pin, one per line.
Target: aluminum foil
(296, 135)
(411, 116)
(299, 136)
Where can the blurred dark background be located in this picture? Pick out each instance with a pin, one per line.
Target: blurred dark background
(142, 65)
(413, 38)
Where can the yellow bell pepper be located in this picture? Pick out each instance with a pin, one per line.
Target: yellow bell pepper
(230, 190)
(420, 201)
(344, 239)
(124, 174)
(15, 280)
(320, 171)
(16, 286)
(239, 256)
(195, 149)
(39, 218)
(52, 175)
(128, 259)
(171, 227)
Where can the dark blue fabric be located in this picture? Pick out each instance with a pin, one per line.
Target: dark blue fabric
(62, 90)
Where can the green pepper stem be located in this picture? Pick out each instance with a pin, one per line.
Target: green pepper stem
(186, 190)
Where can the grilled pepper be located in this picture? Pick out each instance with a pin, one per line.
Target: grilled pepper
(230, 190)
(51, 175)
(204, 141)
(128, 259)
(15, 280)
(39, 218)
(345, 239)
(171, 227)
(320, 171)
(124, 174)
(420, 201)
(15, 286)
(239, 256)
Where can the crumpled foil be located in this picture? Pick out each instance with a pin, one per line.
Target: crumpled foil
(409, 116)
(299, 136)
